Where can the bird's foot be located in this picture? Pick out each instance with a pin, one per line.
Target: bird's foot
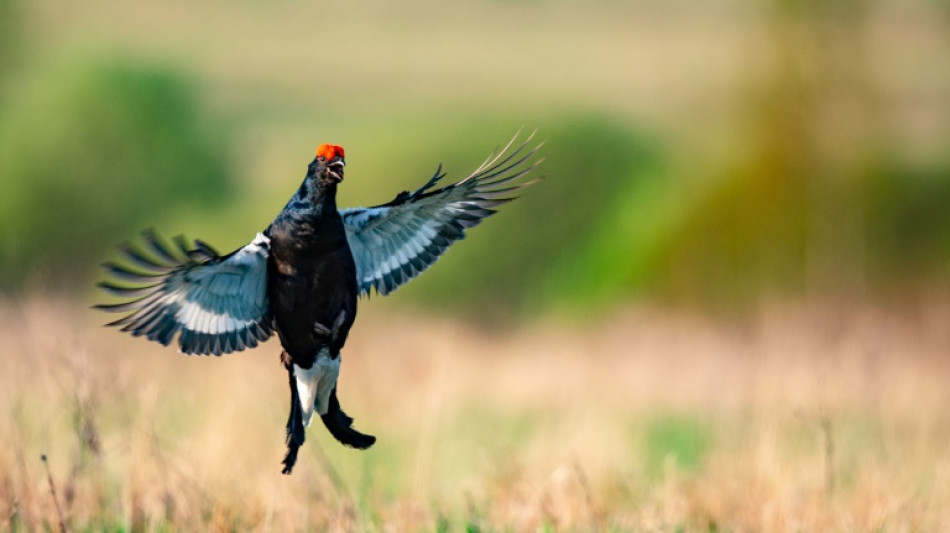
(290, 459)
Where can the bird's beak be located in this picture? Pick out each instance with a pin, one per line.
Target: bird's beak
(335, 169)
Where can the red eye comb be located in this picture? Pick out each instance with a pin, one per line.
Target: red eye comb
(330, 151)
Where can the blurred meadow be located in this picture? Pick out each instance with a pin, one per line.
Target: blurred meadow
(725, 308)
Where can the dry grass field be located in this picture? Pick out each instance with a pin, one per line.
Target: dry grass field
(799, 420)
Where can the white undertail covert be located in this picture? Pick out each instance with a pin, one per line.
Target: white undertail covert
(315, 384)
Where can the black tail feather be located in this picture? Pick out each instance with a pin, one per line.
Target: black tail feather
(340, 426)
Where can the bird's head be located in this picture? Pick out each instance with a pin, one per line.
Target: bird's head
(328, 165)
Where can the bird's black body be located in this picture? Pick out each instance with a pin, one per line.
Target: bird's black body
(311, 277)
(302, 276)
(311, 286)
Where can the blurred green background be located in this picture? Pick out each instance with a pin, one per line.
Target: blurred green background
(700, 153)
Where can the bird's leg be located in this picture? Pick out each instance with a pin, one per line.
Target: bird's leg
(295, 430)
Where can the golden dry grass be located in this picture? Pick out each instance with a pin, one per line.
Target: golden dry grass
(649, 421)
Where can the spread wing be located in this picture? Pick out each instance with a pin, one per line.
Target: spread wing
(395, 242)
(216, 304)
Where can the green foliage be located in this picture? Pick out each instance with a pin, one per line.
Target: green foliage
(88, 152)
(745, 237)
(778, 228)
(683, 440)
(617, 256)
(798, 196)
(592, 169)
(809, 203)
(10, 36)
(907, 219)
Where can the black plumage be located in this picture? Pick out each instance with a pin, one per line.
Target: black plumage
(302, 276)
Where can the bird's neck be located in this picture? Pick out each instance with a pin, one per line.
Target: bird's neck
(308, 211)
(323, 200)
(313, 199)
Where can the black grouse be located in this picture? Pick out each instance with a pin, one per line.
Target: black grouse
(302, 276)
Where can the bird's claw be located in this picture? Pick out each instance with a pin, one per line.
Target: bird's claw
(290, 459)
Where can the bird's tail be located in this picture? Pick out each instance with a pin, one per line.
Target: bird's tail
(340, 426)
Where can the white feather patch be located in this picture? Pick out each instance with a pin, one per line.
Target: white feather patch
(315, 384)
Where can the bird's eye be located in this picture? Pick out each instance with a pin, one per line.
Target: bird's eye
(321, 158)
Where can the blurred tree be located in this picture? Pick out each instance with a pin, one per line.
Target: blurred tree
(786, 216)
(86, 150)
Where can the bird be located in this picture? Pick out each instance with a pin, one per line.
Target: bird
(301, 277)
